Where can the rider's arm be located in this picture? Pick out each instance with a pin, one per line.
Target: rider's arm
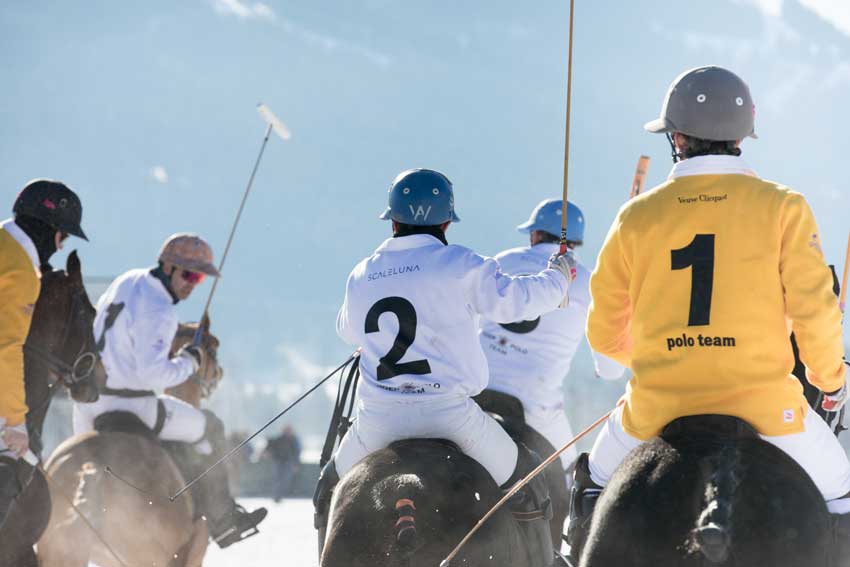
(810, 302)
(153, 332)
(609, 317)
(505, 299)
(18, 292)
(343, 323)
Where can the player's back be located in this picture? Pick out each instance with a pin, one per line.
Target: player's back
(704, 256)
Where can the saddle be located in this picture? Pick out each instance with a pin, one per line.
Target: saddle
(128, 422)
(710, 425)
(505, 408)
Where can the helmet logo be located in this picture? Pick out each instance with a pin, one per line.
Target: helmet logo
(49, 204)
(420, 211)
(701, 98)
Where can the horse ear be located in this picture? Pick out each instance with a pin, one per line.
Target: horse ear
(72, 266)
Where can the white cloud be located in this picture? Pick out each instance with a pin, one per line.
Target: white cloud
(244, 11)
(836, 12)
(159, 174)
(260, 11)
(772, 8)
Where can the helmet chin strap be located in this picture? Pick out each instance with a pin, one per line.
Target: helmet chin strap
(677, 156)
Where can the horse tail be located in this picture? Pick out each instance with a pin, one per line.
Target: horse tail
(405, 527)
(402, 491)
(711, 536)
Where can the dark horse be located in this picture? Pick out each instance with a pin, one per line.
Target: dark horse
(709, 492)
(59, 349)
(408, 505)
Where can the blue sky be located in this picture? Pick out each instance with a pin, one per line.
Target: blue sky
(147, 109)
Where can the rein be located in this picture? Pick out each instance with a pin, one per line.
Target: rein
(339, 424)
(85, 361)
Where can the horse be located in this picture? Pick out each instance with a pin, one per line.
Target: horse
(409, 504)
(118, 478)
(59, 349)
(709, 492)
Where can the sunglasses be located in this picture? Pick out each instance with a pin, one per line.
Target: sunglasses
(192, 277)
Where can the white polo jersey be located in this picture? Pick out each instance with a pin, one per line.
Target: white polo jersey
(136, 321)
(529, 359)
(413, 307)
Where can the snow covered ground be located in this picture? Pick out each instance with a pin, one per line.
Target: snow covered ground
(286, 537)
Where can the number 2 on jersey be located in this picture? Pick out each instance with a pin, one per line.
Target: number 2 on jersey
(699, 256)
(389, 365)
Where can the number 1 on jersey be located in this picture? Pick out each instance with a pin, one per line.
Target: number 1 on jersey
(699, 256)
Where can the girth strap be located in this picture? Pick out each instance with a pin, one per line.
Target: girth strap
(160, 418)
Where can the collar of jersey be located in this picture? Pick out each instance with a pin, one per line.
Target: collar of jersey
(408, 242)
(711, 165)
(21, 238)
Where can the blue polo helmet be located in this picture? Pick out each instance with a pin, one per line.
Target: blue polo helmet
(546, 216)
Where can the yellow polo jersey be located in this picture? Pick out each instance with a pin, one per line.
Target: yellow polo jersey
(697, 288)
(19, 288)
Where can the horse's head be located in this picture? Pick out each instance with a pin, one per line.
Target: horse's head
(198, 386)
(61, 337)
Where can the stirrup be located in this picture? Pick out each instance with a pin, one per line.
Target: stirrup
(238, 530)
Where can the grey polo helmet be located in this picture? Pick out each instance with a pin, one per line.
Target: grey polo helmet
(710, 103)
(421, 197)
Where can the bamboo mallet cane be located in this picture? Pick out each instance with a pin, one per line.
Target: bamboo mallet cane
(563, 247)
(515, 488)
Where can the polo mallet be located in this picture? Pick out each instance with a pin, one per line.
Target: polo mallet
(273, 123)
(515, 488)
(639, 180)
(563, 248)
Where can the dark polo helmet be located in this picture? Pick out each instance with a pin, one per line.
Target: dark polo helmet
(710, 103)
(51, 202)
(421, 197)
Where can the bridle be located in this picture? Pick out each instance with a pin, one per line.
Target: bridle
(85, 360)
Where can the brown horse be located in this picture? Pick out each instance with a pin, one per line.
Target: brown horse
(59, 350)
(120, 480)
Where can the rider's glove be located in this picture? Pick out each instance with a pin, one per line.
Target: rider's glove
(834, 401)
(566, 264)
(16, 439)
(195, 353)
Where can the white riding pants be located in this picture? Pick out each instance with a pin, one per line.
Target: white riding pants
(816, 449)
(553, 425)
(455, 418)
(183, 422)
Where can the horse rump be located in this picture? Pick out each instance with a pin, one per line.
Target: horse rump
(411, 503)
(695, 498)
